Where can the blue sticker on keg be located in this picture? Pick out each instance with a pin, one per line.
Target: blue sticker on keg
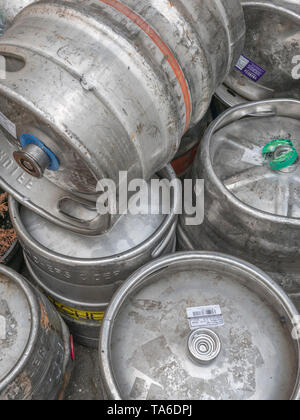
(249, 69)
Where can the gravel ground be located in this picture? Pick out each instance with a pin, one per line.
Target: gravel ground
(85, 383)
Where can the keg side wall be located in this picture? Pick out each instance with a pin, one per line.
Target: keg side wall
(272, 45)
(140, 130)
(46, 368)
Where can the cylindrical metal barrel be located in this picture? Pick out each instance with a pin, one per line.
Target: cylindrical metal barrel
(35, 357)
(81, 273)
(10, 8)
(107, 85)
(270, 64)
(249, 163)
(189, 146)
(200, 326)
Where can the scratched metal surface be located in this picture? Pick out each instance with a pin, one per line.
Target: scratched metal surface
(272, 42)
(10, 8)
(143, 347)
(85, 381)
(35, 360)
(251, 211)
(114, 101)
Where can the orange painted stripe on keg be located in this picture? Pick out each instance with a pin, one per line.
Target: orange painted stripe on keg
(183, 163)
(153, 35)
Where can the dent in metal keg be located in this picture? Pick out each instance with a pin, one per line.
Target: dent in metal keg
(251, 171)
(81, 273)
(106, 87)
(270, 64)
(148, 350)
(34, 343)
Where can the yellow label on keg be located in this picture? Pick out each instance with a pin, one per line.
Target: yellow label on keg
(78, 313)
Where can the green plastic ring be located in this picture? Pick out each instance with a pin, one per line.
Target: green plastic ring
(286, 159)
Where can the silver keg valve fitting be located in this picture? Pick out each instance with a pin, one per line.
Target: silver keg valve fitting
(33, 160)
(35, 157)
(204, 346)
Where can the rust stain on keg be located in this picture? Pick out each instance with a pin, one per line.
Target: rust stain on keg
(45, 323)
(61, 37)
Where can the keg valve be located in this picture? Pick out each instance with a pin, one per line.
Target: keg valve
(35, 157)
(204, 346)
(282, 154)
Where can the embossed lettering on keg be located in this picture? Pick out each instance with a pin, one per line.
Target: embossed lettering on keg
(81, 273)
(106, 87)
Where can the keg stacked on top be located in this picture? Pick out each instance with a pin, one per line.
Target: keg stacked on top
(109, 86)
(267, 67)
(118, 100)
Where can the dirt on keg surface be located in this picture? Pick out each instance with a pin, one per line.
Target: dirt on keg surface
(7, 233)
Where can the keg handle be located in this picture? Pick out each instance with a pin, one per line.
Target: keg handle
(282, 152)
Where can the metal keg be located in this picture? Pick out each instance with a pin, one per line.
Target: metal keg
(81, 273)
(10, 8)
(200, 326)
(270, 64)
(107, 85)
(251, 170)
(35, 357)
(189, 146)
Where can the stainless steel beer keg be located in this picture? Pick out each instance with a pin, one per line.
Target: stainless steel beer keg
(35, 356)
(269, 66)
(105, 86)
(200, 326)
(81, 273)
(249, 162)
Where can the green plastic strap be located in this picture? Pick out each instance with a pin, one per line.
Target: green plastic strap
(285, 159)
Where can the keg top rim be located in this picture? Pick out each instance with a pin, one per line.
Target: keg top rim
(151, 306)
(287, 108)
(152, 237)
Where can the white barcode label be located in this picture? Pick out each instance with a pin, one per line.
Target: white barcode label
(205, 316)
(2, 328)
(242, 63)
(8, 125)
